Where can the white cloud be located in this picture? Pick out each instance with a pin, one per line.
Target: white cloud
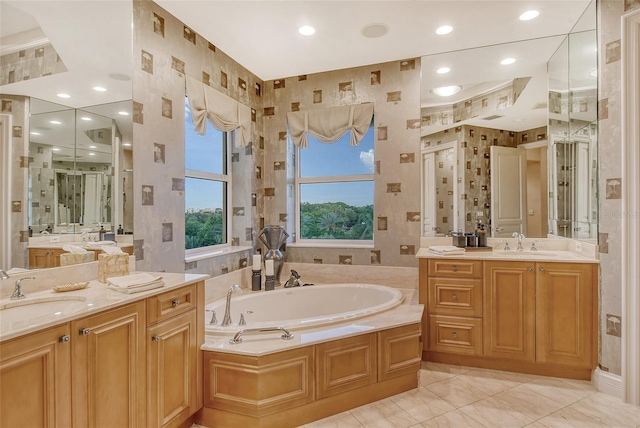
(367, 159)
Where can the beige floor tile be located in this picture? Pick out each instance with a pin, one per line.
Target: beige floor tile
(435, 372)
(456, 392)
(422, 404)
(490, 382)
(455, 419)
(341, 420)
(558, 390)
(528, 402)
(494, 413)
(383, 414)
(608, 410)
(568, 418)
(537, 424)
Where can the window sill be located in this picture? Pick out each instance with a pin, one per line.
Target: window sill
(215, 253)
(334, 244)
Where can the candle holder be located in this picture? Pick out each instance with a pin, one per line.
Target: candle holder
(270, 282)
(256, 280)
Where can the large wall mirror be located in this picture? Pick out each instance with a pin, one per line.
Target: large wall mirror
(69, 64)
(502, 126)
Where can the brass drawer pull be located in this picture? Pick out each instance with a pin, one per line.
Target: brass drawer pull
(542, 269)
(64, 339)
(454, 268)
(155, 338)
(175, 303)
(454, 297)
(84, 332)
(454, 335)
(530, 269)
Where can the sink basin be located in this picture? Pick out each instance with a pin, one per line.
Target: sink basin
(526, 254)
(39, 308)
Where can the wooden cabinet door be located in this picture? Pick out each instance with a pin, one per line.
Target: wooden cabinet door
(565, 310)
(509, 310)
(109, 368)
(35, 390)
(172, 352)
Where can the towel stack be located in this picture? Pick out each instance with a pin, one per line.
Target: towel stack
(135, 283)
(446, 250)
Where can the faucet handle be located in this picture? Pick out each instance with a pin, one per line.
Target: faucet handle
(214, 320)
(533, 245)
(242, 320)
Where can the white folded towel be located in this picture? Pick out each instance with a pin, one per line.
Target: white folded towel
(134, 280)
(446, 249)
(111, 250)
(73, 249)
(137, 289)
(100, 243)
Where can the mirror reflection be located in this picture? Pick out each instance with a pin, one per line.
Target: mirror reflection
(518, 120)
(75, 160)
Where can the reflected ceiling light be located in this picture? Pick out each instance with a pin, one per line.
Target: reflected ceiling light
(55, 149)
(85, 118)
(63, 95)
(445, 29)
(123, 113)
(446, 91)
(593, 72)
(529, 15)
(99, 89)
(92, 147)
(91, 154)
(518, 119)
(55, 122)
(126, 144)
(443, 70)
(306, 30)
(374, 30)
(34, 133)
(508, 61)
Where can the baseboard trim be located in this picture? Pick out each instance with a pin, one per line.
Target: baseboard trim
(607, 383)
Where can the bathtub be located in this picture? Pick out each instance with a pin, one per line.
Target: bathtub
(302, 307)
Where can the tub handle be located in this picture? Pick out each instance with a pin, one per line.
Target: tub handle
(238, 336)
(242, 320)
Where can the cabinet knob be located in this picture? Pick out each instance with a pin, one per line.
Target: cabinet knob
(454, 297)
(530, 269)
(541, 269)
(155, 338)
(454, 335)
(84, 332)
(454, 268)
(175, 303)
(64, 339)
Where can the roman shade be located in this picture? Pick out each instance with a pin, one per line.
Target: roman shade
(225, 113)
(329, 124)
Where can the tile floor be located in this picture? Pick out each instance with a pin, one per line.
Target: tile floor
(458, 397)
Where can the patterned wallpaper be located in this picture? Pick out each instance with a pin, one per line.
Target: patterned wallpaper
(30, 63)
(164, 51)
(394, 88)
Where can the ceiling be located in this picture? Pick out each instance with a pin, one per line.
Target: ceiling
(93, 38)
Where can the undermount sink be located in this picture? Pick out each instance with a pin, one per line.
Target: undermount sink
(32, 309)
(526, 254)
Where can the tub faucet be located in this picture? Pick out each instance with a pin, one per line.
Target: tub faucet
(293, 281)
(3, 275)
(520, 238)
(227, 311)
(17, 291)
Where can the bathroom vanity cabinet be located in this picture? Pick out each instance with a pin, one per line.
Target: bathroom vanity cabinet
(536, 317)
(49, 257)
(135, 365)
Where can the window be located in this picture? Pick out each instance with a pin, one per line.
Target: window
(335, 191)
(207, 185)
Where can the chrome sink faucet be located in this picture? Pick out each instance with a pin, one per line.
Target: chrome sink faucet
(520, 237)
(17, 291)
(293, 281)
(227, 311)
(3, 275)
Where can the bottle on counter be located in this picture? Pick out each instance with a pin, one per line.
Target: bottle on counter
(120, 230)
(482, 235)
(101, 233)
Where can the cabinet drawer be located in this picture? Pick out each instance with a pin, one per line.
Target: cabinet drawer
(171, 303)
(455, 268)
(461, 297)
(458, 335)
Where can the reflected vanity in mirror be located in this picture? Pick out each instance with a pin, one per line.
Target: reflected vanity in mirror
(501, 127)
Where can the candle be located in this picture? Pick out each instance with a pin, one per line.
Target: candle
(268, 267)
(256, 262)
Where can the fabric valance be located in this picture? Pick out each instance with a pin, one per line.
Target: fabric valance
(328, 125)
(225, 113)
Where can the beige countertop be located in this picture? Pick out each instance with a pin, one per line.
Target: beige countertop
(267, 343)
(60, 245)
(513, 255)
(77, 304)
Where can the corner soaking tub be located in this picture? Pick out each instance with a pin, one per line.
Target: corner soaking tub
(302, 307)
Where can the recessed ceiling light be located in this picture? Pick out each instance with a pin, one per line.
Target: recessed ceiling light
(123, 113)
(508, 61)
(445, 29)
(99, 89)
(443, 70)
(85, 118)
(55, 122)
(34, 133)
(529, 15)
(62, 95)
(375, 30)
(446, 91)
(306, 30)
(593, 72)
